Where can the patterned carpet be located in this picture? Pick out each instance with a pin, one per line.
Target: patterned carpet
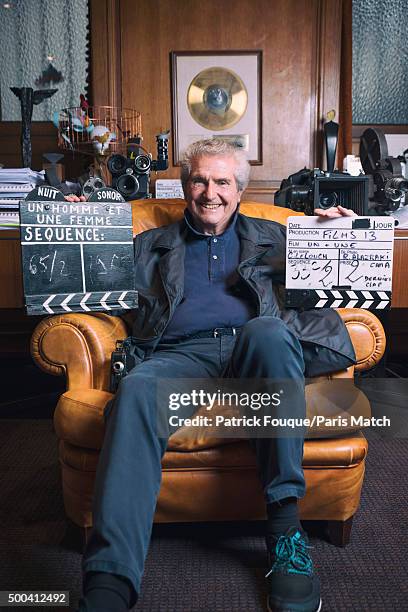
(210, 567)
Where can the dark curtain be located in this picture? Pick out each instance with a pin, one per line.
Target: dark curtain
(345, 106)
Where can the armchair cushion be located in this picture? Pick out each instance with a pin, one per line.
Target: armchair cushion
(345, 452)
(79, 417)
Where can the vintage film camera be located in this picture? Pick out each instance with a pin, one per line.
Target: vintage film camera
(309, 189)
(131, 174)
(387, 184)
(122, 362)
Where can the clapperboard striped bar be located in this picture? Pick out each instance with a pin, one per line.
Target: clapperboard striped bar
(338, 298)
(96, 301)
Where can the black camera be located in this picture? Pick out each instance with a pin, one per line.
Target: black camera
(131, 174)
(121, 363)
(309, 189)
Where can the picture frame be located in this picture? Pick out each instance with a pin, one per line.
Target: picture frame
(217, 93)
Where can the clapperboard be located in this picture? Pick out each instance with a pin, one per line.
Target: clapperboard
(344, 262)
(77, 256)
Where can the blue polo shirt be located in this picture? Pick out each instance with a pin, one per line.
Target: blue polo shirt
(214, 295)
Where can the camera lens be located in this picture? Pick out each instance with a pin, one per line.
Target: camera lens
(118, 367)
(395, 188)
(87, 189)
(328, 199)
(98, 184)
(117, 164)
(127, 185)
(299, 194)
(142, 163)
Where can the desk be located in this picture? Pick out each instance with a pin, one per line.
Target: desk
(11, 280)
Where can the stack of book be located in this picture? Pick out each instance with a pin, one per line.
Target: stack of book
(15, 184)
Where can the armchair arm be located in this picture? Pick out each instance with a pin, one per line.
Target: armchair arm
(78, 346)
(367, 335)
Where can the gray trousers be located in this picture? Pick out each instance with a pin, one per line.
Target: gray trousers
(129, 470)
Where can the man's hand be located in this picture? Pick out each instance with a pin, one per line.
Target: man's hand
(334, 212)
(74, 198)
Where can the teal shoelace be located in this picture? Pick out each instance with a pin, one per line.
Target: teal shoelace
(292, 556)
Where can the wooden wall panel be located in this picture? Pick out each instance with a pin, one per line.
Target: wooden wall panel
(105, 63)
(43, 140)
(300, 40)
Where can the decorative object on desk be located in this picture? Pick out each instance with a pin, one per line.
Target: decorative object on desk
(101, 138)
(80, 126)
(84, 104)
(331, 134)
(53, 170)
(77, 256)
(49, 76)
(28, 97)
(97, 131)
(217, 94)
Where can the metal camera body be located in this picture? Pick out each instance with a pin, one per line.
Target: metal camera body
(309, 189)
(306, 190)
(90, 185)
(131, 174)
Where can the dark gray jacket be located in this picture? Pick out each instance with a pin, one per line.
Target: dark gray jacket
(159, 274)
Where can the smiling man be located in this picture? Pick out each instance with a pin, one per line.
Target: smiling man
(209, 306)
(212, 192)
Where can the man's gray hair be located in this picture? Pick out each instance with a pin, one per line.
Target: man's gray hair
(219, 147)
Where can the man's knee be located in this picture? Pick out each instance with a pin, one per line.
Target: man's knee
(266, 331)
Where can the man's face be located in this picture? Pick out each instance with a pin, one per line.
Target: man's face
(211, 193)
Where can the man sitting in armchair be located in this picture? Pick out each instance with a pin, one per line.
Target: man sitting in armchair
(209, 306)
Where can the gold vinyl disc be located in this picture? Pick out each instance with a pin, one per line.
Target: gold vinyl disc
(217, 98)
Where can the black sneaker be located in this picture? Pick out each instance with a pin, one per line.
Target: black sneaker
(292, 584)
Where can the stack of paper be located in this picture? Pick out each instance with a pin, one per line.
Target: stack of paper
(15, 184)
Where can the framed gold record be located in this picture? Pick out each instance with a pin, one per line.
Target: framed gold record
(217, 98)
(217, 94)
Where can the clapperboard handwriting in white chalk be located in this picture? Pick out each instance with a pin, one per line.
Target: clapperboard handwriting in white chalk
(344, 262)
(77, 257)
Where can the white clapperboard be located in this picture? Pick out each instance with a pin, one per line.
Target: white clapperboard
(77, 256)
(344, 262)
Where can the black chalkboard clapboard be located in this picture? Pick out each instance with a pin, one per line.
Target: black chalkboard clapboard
(77, 256)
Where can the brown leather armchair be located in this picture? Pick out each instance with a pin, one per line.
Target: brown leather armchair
(204, 479)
